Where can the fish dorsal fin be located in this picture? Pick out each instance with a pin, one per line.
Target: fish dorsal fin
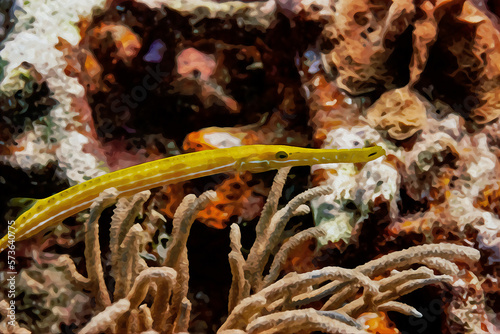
(21, 204)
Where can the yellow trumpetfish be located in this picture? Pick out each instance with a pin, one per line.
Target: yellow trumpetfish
(254, 158)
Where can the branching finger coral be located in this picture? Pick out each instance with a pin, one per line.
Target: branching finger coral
(299, 320)
(167, 286)
(289, 292)
(282, 255)
(154, 299)
(269, 230)
(93, 249)
(107, 318)
(177, 251)
(124, 215)
(276, 307)
(240, 287)
(404, 258)
(129, 254)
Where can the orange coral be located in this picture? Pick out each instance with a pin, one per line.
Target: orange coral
(482, 61)
(172, 196)
(362, 36)
(235, 198)
(378, 323)
(489, 198)
(425, 34)
(127, 44)
(440, 190)
(92, 66)
(327, 108)
(300, 258)
(212, 138)
(81, 63)
(438, 224)
(320, 176)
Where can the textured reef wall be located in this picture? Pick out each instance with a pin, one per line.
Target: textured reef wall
(407, 243)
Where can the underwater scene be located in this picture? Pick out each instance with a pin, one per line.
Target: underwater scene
(249, 167)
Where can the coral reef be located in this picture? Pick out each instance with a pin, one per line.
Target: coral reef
(409, 242)
(256, 303)
(276, 306)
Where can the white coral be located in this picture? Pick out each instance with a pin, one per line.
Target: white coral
(350, 184)
(481, 166)
(40, 25)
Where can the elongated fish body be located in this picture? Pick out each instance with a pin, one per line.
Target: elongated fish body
(254, 158)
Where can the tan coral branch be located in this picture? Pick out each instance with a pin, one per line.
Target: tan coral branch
(404, 258)
(282, 255)
(261, 249)
(161, 303)
(181, 288)
(271, 205)
(133, 324)
(177, 253)
(183, 220)
(399, 278)
(298, 320)
(75, 277)
(322, 292)
(123, 218)
(442, 265)
(184, 316)
(107, 318)
(291, 284)
(240, 288)
(145, 317)
(235, 239)
(248, 307)
(145, 278)
(356, 307)
(93, 249)
(130, 262)
(401, 308)
(346, 292)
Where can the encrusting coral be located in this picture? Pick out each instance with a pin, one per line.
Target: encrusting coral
(61, 132)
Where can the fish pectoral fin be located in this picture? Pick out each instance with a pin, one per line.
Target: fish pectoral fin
(20, 205)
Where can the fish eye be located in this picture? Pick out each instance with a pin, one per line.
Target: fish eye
(281, 155)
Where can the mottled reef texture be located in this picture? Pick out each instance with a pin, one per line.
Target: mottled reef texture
(89, 87)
